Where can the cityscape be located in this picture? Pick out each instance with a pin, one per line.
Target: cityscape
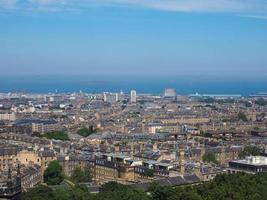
(131, 138)
(133, 100)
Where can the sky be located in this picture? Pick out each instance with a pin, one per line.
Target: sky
(145, 38)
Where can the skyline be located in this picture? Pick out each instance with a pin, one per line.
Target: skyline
(134, 38)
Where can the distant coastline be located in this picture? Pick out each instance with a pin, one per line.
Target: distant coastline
(183, 86)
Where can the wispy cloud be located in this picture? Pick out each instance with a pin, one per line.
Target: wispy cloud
(264, 17)
(256, 8)
(8, 4)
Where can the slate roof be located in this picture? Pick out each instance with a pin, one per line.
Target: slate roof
(8, 151)
(36, 121)
(47, 153)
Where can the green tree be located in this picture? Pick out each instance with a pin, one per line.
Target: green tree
(242, 116)
(159, 192)
(57, 135)
(238, 186)
(187, 194)
(86, 131)
(40, 192)
(81, 176)
(249, 151)
(209, 157)
(116, 191)
(113, 186)
(53, 173)
(79, 192)
(63, 193)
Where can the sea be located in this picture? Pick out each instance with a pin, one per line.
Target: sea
(183, 85)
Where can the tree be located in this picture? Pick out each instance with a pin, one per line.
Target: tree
(57, 135)
(209, 157)
(86, 131)
(116, 191)
(40, 192)
(113, 186)
(249, 151)
(63, 193)
(159, 192)
(77, 192)
(242, 116)
(224, 187)
(81, 176)
(82, 192)
(53, 173)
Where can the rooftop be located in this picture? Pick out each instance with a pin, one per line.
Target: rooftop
(253, 160)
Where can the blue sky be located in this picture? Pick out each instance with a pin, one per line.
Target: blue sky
(224, 38)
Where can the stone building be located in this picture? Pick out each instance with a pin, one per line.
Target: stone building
(41, 158)
(30, 176)
(69, 163)
(222, 154)
(112, 171)
(7, 158)
(10, 185)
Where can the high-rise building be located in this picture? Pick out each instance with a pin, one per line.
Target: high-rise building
(170, 92)
(133, 96)
(110, 97)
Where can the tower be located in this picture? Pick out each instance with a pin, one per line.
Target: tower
(182, 161)
(170, 93)
(133, 96)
